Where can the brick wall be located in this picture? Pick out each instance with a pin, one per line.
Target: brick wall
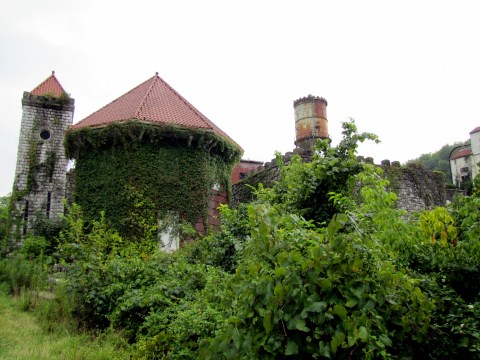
(218, 197)
(243, 168)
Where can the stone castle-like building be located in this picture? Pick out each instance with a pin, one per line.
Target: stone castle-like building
(148, 122)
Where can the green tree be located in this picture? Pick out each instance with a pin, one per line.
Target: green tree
(306, 188)
(4, 203)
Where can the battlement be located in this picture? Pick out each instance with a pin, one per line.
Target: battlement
(416, 188)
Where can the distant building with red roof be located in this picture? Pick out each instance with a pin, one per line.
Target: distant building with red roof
(465, 159)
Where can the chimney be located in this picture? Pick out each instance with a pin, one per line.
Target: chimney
(310, 121)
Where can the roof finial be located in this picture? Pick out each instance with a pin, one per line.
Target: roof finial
(156, 73)
(53, 72)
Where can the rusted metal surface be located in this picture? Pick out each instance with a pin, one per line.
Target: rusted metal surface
(310, 121)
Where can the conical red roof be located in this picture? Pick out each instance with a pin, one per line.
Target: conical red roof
(50, 86)
(153, 101)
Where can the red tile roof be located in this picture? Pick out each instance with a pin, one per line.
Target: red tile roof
(461, 153)
(50, 86)
(477, 129)
(152, 101)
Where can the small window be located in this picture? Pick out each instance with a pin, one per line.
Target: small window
(25, 218)
(25, 214)
(49, 204)
(45, 135)
(243, 175)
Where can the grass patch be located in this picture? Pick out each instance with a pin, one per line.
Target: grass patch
(22, 336)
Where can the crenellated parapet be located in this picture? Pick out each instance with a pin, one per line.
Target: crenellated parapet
(417, 188)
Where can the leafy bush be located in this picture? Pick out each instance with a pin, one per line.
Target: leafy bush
(314, 292)
(305, 188)
(34, 246)
(21, 273)
(176, 332)
(4, 203)
(223, 248)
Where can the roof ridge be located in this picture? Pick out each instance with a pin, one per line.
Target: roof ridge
(144, 100)
(185, 101)
(210, 123)
(112, 102)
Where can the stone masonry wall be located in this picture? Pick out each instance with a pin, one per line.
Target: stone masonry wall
(417, 189)
(40, 176)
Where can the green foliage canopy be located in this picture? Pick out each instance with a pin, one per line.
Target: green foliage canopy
(4, 205)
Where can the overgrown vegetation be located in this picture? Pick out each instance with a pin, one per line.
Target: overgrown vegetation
(322, 265)
(22, 337)
(4, 204)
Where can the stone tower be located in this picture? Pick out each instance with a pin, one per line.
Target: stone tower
(40, 175)
(151, 145)
(310, 121)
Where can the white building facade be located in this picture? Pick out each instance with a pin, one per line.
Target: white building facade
(464, 161)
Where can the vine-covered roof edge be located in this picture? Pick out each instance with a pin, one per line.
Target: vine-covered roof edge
(135, 132)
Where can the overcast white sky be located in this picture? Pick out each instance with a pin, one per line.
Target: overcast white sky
(407, 70)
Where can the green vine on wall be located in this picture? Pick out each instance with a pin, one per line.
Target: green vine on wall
(51, 99)
(49, 164)
(138, 173)
(423, 181)
(33, 165)
(394, 175)
(132, 133)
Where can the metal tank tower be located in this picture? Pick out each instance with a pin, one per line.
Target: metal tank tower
(311, 121)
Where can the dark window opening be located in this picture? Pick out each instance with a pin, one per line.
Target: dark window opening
(49, 203)
(45, 135)
(25, 218)
(243, 175)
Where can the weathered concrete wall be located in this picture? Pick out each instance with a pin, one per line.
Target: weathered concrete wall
(417, 188)
(40, 176)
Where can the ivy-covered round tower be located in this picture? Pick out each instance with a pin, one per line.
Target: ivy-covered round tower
(40, 175)
(150, 160)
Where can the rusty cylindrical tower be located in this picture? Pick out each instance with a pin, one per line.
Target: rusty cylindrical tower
(310, 121)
